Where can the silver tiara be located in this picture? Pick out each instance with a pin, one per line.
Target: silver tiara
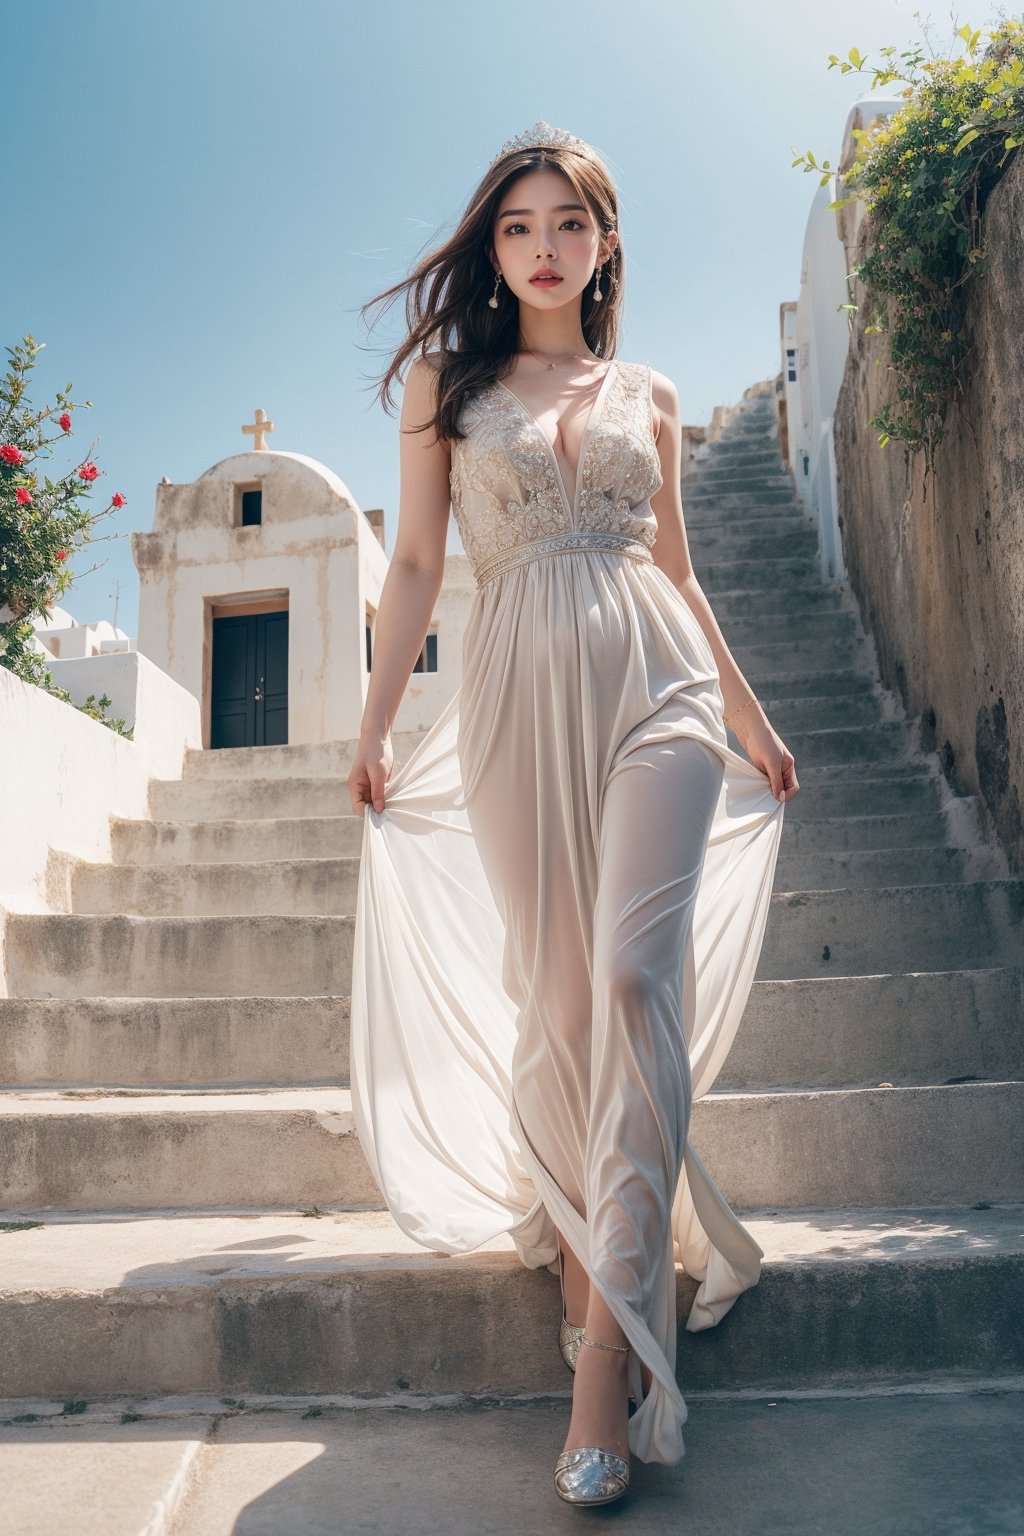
(542, 134)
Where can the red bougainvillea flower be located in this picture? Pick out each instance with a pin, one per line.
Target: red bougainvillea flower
(11, 455)
(117, 499)
(88, 471)
(62, 554)
(24, 496)
(64, 420)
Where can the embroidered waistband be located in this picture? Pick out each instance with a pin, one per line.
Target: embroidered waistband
(556, 544)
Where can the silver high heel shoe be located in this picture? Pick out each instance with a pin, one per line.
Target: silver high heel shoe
(569, 1334)
(588, 1474)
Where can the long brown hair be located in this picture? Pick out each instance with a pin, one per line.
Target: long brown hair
(448, 290)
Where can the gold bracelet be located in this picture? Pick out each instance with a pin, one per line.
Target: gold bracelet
(737, 711)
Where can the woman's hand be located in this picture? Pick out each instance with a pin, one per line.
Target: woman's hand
(767, 751)
(371, 770)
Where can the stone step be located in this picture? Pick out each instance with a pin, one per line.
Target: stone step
(752, 453)
(761, 458)
(851, 744)
(883, 786)
(805, 597)
(824, 711)
(717, 512)
(867, 868)
(756, 629)
(65, 955)
(726, 451)
(827, 795)
(893, 928)
(770, 544)
(780, 524)
(294, 1148)
(768, 657)
(909, 1029)
(860, 1031)
(213, 799)
(919, 767)
(793, 575)
(739, 477)
(760, 426)
(813, 683)
(301, 760)
(325, 886)
(810, 933)
(864, 1146)
(174, 1042)
(815, 596)
(235, 842)
(193, 801)
(273, 1148)
(733, 481)
(863, 834)
(165, 843)
(738, 496)
(347, 1304)
(294, 887)
(808, 595)
(759, 447)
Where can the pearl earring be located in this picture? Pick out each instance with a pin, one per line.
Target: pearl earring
(493, 300)
(598, 295)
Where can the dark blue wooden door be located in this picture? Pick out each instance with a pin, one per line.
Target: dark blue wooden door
(249, 687)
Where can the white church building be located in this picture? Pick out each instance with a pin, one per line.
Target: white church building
(259, 586)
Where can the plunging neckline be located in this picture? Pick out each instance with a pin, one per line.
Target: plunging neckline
(590, 422)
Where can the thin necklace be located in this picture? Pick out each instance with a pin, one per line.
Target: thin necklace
(558, 360)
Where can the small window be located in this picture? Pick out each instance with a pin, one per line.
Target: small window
(252, 508)
(426, 661)
(369, 647)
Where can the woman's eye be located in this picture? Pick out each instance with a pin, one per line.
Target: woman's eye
(513, 227)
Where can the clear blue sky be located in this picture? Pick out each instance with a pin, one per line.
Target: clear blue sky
(200, 195)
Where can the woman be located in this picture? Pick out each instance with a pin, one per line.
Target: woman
(563, 891)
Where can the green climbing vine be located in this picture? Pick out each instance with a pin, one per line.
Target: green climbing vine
(924, 175)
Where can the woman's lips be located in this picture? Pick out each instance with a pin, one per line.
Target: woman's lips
(546, 281)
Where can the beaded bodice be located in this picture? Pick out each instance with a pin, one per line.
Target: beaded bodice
(508, 496)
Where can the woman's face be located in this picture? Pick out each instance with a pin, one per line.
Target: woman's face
(543, 224)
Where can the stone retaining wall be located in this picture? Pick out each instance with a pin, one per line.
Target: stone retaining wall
(938, 567)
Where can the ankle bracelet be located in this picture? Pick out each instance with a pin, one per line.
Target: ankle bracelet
(621, 1349)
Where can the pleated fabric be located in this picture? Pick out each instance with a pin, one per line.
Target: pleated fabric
(561, 907)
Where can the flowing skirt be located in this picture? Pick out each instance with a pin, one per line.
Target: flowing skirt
(560, 912)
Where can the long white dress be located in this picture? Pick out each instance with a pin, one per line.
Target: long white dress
(561, 907)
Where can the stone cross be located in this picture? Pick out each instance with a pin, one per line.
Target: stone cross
(257, 429)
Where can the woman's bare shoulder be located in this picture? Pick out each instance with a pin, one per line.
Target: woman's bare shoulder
(664, 400)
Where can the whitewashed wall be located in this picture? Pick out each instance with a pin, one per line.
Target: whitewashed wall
(63, 775)
(823, 341)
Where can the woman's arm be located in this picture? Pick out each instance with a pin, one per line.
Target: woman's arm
(411, 587)
(671, 553)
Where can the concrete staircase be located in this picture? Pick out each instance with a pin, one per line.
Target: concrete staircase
(176, 1115)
